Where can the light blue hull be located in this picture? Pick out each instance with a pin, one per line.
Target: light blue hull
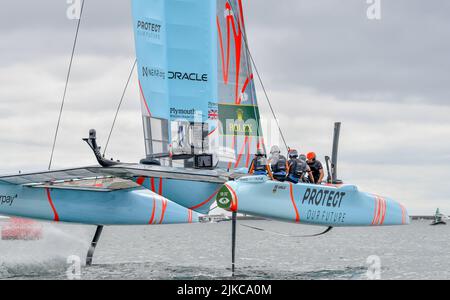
(312, 204)
(194, 195)
(124, 207)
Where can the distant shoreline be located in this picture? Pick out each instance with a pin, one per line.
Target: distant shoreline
(415, 218)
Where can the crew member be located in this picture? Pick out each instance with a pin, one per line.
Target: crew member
(308, 175)
(316, 167)
(259, 165)
(297, 168)
(278, 164)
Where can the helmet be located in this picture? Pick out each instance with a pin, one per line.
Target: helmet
(293, 153)
(311, 156)
(302, 157)
(275, 150)
(260, 152)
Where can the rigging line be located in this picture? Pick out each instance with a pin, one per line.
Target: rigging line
(119, 106)
(65, 88)
(288, 235)
(260, 80)
(212, 209)
(269, 102)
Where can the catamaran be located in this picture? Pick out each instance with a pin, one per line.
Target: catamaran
(202, 127)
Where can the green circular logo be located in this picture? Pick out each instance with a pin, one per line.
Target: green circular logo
(224, 202)
(224, 198)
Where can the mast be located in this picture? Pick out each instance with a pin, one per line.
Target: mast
(334, 158)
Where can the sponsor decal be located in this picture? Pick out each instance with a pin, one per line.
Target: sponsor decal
(153, 72)
(149, 29)
(213, 111)
(159, 73)
(7, 200)
(224, 198)
(326, 201)
(180, 113)
(324, 198)
(188, 76)
(330, 217)
(149, 26)
(239, 120)
(276, 188)
(254, 179)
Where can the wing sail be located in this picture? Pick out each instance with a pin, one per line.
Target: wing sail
(239, 115)
(196, 81)
(124, 171)
(175, 49)
(50, 176)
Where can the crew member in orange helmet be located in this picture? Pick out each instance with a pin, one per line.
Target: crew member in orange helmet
(316, 167)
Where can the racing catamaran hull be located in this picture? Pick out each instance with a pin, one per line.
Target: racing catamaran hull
(322, 205)
(122, 207)
(194, 195)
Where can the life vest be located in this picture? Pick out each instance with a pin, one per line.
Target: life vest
(297, 167)
(279, 166)
(260, 164)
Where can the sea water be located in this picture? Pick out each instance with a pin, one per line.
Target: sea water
(203, 251)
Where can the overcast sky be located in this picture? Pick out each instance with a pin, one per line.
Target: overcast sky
(321, 60)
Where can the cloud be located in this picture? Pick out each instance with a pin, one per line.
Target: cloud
(331, 46)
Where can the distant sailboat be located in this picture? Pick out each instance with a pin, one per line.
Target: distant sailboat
(439, 218)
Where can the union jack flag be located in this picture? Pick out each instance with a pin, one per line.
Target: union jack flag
(213, 114)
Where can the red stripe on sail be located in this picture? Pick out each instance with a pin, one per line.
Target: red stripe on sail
(225, 66)
(144, 100)
(241, 10)
(244, 88)
(238, 41)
